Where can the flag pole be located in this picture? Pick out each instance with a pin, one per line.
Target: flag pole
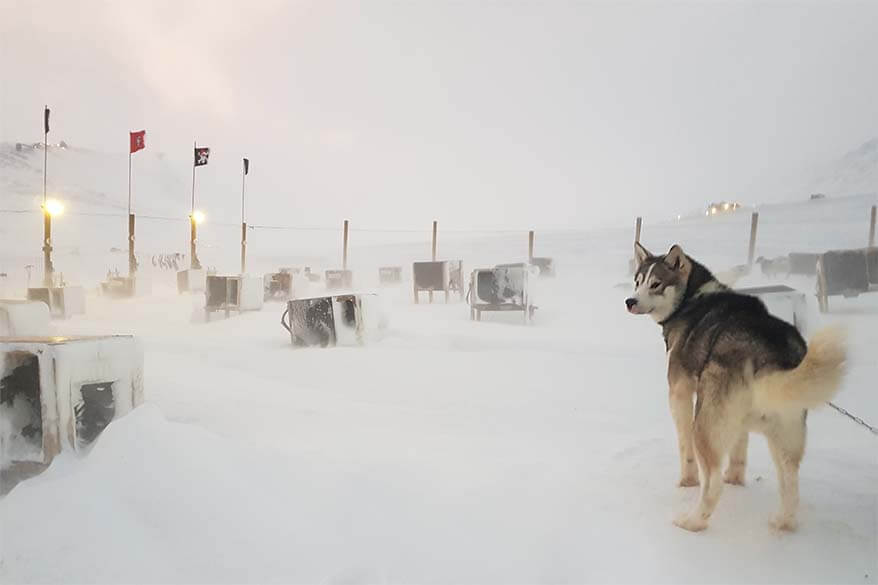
(193, 260)
(47, 217)
(243, 222)
(132, 260)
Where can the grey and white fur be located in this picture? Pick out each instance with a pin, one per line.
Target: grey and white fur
(746, 370)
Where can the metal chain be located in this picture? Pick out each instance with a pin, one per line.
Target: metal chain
(854, 418)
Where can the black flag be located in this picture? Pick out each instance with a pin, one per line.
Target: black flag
(246, 165)
(46, 121)
(201, 155)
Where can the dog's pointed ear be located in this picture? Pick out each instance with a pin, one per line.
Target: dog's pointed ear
(641, 254)
(676, 259)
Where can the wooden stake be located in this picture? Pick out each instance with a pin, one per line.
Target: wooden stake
(530, 247)
(344, 258)
(132, 260)
(435, 225)
(872, 227)
(637, 226)
(754, 223)
(243, 248)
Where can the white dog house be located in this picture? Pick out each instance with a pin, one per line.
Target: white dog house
(23, 318)
(784, 303)
(502, 288)
(63, 301)
(191, 280)
(59, 393)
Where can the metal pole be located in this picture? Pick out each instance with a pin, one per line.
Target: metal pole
(129, 181)
(45, 155)
(193, 258)
(48, 269)
(637, 227)
(754, 223)
(872, 227)
(435, 225)
(243, 225)
(344, 258)
(194, 146)
(530, 247)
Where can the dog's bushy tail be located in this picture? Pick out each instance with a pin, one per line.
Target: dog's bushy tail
(813, 382)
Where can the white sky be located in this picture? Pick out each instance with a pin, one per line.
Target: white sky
(488, 114)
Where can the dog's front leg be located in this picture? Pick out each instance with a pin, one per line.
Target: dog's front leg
(681, 393)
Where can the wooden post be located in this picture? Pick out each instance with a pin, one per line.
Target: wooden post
(193, 237)
(48, 269)
(243, 248)
(435, 230)
(637, 226)
(872, 227)
(754, 223)
(132, 260)
(530, 247)
(344, 258)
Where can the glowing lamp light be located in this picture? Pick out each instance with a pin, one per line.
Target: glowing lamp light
(198, 216)
(53, 207)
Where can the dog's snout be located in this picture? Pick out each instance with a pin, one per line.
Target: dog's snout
(630, 302)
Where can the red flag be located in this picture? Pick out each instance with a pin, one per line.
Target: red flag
(138, 141)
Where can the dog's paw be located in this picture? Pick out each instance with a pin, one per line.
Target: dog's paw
(784, 523)
(734, 477)
(688, 481)
(691, 522)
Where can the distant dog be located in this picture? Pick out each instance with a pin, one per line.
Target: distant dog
(747, 370)
(774, 267)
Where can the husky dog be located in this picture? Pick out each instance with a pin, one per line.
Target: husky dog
(748, 371)
(774, 267)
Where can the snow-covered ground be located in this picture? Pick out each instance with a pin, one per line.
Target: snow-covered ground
(448, 451)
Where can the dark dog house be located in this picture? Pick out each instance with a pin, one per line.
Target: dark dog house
(60, 393)
(339, 279)
(443, 275)
(802, 263)
(502, 288)
(331, 320)
(847, 273)
(279, 285)
(222, 293)
(390, 275)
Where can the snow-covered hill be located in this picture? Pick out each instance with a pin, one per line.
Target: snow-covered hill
(854, 173)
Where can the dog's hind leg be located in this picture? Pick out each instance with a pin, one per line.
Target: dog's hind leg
(719, 422)
(738, 461)
(786, 441)
(680, 398)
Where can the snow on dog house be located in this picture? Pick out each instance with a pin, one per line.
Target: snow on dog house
(59, 393)
(333, 320)
(502, 288)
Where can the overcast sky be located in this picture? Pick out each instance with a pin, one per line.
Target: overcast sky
(500, 114)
